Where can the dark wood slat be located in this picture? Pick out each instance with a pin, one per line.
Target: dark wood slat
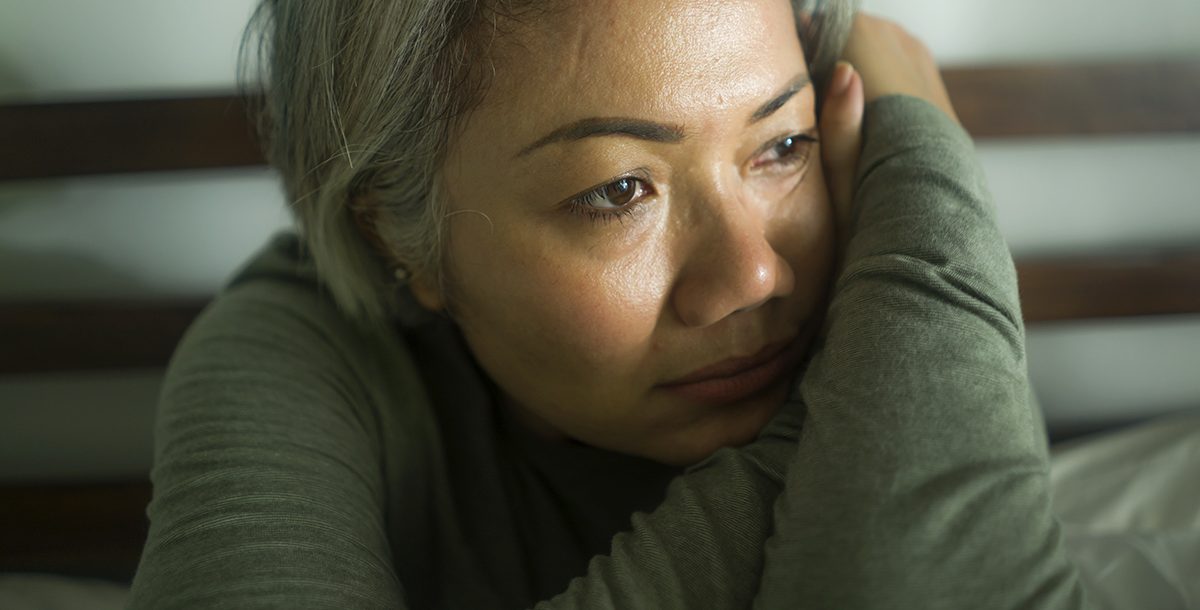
(82, 138)
(94, 530)
(106, 335)
(1069, 100)
(1162, 283)
(46, 337)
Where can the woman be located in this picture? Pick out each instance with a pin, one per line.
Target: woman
(616, 227)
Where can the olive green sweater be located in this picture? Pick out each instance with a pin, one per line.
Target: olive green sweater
(302, 462)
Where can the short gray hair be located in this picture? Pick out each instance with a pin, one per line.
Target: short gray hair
(359, 98)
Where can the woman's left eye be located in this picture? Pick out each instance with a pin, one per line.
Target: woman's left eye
(786, 151)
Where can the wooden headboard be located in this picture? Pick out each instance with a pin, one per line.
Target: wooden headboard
(98, 529)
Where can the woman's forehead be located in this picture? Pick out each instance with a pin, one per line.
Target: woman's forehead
(669, 60)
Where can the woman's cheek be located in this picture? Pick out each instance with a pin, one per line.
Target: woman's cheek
(572, 306)
(605, 314)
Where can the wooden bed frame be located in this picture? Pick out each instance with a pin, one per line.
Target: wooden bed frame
(97, 529)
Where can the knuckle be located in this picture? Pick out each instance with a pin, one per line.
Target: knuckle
(875, 25)
(917, 47)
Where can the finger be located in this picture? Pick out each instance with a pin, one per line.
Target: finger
(841, 141)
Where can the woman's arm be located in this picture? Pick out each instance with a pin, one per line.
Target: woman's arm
(267, 487)
(921, 478)
(269, 490)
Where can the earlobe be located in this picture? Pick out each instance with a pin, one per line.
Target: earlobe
(424, 288)
(427, 292)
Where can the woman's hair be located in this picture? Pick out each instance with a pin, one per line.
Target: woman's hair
(358, 101)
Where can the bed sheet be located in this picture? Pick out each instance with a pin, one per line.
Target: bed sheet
(1129, 503)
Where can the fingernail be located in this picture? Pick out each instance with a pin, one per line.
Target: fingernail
(841, 77)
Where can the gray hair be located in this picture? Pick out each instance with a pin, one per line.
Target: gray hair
(358, 101)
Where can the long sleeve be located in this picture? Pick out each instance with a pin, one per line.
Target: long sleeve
(268, 490)
(921, 479)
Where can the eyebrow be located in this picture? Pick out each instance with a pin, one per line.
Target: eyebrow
(796, 86)
(651, 131)
(614, 126)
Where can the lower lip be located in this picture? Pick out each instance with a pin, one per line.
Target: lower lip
(743, 385)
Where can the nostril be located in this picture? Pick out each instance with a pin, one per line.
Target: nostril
(752, 307)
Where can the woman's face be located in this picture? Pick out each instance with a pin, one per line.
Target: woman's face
(640, 235)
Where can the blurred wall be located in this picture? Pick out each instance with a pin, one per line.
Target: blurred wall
(183, 233)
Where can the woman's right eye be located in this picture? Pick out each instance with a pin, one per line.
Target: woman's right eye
(617, 194)
(612, 200)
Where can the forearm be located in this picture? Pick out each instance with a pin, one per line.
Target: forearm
(920, 479)
(702, 548)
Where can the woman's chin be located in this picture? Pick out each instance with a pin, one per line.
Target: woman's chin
(732, 425)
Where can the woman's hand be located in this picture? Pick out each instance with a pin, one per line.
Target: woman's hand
(892, 61)
(880, 59)
(841, 141)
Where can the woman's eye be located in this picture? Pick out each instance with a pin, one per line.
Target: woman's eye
(786, 151)
(616, 195)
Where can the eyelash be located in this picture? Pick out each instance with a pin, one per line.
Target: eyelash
(581, 204)
(800, 150)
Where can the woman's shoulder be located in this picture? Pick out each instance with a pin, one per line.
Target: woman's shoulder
(274, 325)
(283, 425)
(276, 295)
(279, 276)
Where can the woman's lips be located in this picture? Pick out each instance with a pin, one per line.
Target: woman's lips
(737, 378)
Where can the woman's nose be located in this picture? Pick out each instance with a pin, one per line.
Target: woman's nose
(731, 268)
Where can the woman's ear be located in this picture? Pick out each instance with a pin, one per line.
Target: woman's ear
(428, 292)
(425, 288)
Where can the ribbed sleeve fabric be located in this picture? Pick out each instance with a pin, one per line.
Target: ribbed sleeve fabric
(267, 487)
